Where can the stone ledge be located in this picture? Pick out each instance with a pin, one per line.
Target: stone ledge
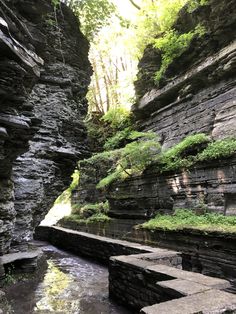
(181, 287)
(209, 302)
(13, 257)
(215, 283)
(153, 98)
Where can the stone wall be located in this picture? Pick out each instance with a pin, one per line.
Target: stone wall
(198, 85)
(149, 277)
(42, 100)
(114, 228)
(210, 253)
(89, 245)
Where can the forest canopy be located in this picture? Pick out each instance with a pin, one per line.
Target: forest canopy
(118, 32)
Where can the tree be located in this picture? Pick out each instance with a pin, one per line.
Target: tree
(93, 14)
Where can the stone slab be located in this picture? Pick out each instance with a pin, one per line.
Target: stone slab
(181, 287)
(213, 301)
(12, 257)
(212, 282)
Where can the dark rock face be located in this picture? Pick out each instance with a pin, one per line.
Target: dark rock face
(220, 31)
(49, 111)
(18, 74)
(196, 95)
(209, 186)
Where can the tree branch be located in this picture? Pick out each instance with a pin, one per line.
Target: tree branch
(135, 4)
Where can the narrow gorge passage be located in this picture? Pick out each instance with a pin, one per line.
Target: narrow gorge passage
(69, 284)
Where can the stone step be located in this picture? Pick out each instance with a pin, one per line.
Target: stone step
(208, 302)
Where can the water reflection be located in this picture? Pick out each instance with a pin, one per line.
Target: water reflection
(70, 285)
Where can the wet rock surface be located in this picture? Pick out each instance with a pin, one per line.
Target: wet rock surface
(69, 285)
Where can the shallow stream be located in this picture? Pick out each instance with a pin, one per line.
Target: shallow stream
(70, 285)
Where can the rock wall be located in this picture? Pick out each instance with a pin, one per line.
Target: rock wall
(48, 111)
(211, 186)
(19, 69)
(197, 94)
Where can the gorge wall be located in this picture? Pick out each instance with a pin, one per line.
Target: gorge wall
(44, 77)
(196, 95)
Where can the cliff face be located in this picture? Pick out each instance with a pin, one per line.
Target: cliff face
(197, 92)
(196, 95)
(42, 100)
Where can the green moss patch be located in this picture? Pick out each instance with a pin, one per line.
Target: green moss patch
(185, 218)
(99, 217)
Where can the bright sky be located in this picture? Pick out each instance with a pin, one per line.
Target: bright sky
(126, 9)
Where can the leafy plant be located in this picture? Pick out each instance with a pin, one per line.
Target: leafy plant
(194, 4)
(65, 197)
(134, 159)
(99, 217)
(102, 157)
(172, 45)
(118, 118)
(123, 137)
(155, 18)
(93, 14)
(55, 3)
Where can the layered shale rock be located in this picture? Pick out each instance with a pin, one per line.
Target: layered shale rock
(196, 95)
(19, 69)
(47, 110)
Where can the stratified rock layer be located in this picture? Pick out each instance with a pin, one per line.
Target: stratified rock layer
(197, 94)
(47, 110)
(19, 68)
(59, 101)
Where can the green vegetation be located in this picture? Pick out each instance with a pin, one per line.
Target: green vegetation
(65, 197)
(194, 149)
(218, 149)
(92, 14)
(87, 210)
(185, 218)
(88, 213)
(117, 118)
(134, 159)
(55, 3)
(109, 131)
(172, 45)
(154, 19)
(194, 4)
(77, 219)
(137, 156)
(183, 154)
(100, 158)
